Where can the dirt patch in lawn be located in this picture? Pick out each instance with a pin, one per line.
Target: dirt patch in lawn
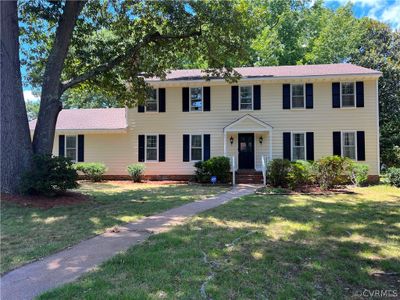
(307, 190)
(65, 199)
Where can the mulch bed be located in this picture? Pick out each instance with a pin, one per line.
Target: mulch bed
(65, 199)
(130, 182)
(306, 190)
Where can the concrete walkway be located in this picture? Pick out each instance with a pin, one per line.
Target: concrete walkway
(35, 278)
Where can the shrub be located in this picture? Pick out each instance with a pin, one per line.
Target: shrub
(358, 173)
(49, 175)
(393, 175)
(93, 171)
(136, 171)
(300, 173)
(277, 172)
(330, 171)
(218, 166)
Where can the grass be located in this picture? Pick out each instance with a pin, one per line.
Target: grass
(30, 233)
(261, 247)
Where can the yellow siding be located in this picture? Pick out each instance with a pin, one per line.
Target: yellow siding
(119, 150)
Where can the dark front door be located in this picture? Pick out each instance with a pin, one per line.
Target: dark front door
(246, 150)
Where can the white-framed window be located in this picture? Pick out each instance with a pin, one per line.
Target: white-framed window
(196, 147)
(196, 99)
(347, 94)
(298, 146)
(152, 101)
(151, 147)
(349, 144)
(297, 92)
(71, 147)
(246, 97)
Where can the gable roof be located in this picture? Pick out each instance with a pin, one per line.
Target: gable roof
(90, 119)
(276, 71)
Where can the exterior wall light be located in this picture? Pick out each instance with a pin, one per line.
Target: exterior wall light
(261, 139)
(231, 140)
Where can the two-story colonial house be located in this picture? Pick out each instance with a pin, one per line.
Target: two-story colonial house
(292, 112)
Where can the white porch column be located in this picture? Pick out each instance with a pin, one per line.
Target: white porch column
(270, 144)
(224, 143)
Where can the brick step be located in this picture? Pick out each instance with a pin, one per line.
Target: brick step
(249, 177)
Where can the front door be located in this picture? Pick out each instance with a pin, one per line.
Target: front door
(246, 150)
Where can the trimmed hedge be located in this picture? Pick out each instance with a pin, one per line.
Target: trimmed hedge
(94, 171)
(218, 166)
(136, 171)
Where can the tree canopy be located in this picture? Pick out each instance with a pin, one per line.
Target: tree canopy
(117, 44)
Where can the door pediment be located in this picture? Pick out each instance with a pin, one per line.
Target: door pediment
(247, 123)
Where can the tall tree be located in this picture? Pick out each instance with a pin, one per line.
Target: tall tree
(16, 149)
(379, 49)
(108, 45)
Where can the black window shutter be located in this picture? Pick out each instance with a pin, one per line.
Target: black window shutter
(286, 146)
(235, 97)
(286, 96)
(310, 145)
(257, 97)
(336, 94)
(309, 96)
(141, 148)
(360, 94)
(140, 108)
(81, 147)
(206, 150)
(161, 100)
(360, 145)
(185, 99)
(337, 144)
(186, 148)
(61, 145)
(161, 147)
(207, 98)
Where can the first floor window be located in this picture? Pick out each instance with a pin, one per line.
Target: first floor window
(151, 148)
(298, 96)
(70, 147)
(348, 95)
(246, 98)
(196, 145)
(298, 148)
(196, 99)
(151, 103)
(349, 144)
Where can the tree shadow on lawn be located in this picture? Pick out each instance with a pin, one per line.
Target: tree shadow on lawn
(29, 233)
(259, 247)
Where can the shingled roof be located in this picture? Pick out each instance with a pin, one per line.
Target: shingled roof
(278, 71)
(90, 119)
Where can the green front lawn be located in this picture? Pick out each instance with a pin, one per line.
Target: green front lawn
(30, 233)
(262, 247)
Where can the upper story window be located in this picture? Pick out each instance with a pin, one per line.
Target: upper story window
(196, 99)
(348, 94)
(196, 147)
(151, 148)
(151, 102)
(298, 146)
(298, 96)
(246, 98)
(349, 144)
(71, 143)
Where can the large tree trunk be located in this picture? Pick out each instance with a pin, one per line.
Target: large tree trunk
(16, 148)
(50, 104)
